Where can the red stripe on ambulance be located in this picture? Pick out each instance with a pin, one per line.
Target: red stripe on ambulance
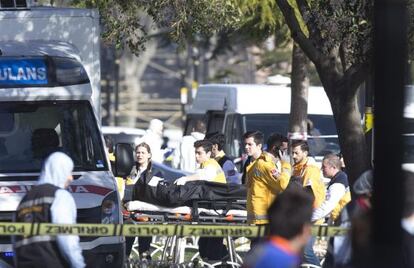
(78, 189)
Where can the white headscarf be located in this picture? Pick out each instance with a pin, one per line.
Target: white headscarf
(156, 126)
(56, 169)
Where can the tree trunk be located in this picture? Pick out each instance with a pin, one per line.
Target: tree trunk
(132, 69)
(299, 86)
(340, 88)
(349, 127)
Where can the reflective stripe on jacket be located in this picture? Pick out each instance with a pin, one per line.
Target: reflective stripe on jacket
(263, 186)
(35, 251)
(311, 177)
(219, 174)
(345, 199)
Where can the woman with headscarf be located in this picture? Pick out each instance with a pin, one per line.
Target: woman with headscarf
(141, 174)
(48, 201)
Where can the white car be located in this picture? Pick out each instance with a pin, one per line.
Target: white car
(123, 134)
(133, 136)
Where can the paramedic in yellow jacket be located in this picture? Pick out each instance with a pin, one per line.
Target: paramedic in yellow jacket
(277, 146)
(309, 176)
(209, 169)
(306, 170)
(210, 248)
(267, 175)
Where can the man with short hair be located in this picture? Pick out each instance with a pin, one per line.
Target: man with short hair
(263, 178)
(307, 172)
(209, 169)
(277, 146)
(253, 143)
(275, 142)
(337, 197)
(210, 248)
(227, 164)
(290, 229)
(338, 193)
(308, 175)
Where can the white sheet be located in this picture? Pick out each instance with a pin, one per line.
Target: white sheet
(218, 212)
(143, 206)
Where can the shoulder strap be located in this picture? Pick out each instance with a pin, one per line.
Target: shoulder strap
(223, 160)
(302, 172)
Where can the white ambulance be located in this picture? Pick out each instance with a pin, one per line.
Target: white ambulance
(49, 100)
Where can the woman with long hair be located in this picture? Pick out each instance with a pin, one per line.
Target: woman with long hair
(140, 174)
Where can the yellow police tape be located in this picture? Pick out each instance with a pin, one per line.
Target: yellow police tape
(7, 228)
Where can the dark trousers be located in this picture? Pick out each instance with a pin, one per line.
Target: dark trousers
(254, 241)
(309, 255)
(144, 244)
(212, 248)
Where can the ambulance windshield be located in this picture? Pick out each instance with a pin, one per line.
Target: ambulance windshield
(33, 130)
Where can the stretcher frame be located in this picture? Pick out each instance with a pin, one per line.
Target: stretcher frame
(212, 212)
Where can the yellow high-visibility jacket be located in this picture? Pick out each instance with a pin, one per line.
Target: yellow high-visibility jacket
(311, 176)
(346, 198)
(263, 186)
(218, 171)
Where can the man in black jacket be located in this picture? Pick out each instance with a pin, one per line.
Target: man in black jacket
(226, 163)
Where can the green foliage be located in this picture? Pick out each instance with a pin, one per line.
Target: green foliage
(261, 19)
(121, 22)
(192, 19)
(186, 21)
(264, 13)
(344, 23)
(299, 17)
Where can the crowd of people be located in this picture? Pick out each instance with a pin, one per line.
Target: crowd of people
(286, 192)
(274, 173)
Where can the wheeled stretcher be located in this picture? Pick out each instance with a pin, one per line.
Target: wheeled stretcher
(201, 211)
(207, 212)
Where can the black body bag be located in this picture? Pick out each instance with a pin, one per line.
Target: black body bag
(171, 195)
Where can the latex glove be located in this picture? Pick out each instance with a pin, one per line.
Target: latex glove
(180, 181)
(284, 156)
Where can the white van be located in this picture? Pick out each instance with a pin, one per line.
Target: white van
(236, 108)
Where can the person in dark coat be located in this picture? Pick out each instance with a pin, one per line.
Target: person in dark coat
(48, 201)
(140, 175)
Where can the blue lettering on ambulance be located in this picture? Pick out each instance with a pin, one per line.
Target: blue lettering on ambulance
(23, 72)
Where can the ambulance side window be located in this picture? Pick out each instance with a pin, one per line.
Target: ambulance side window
(192, 120)
(215, 122)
